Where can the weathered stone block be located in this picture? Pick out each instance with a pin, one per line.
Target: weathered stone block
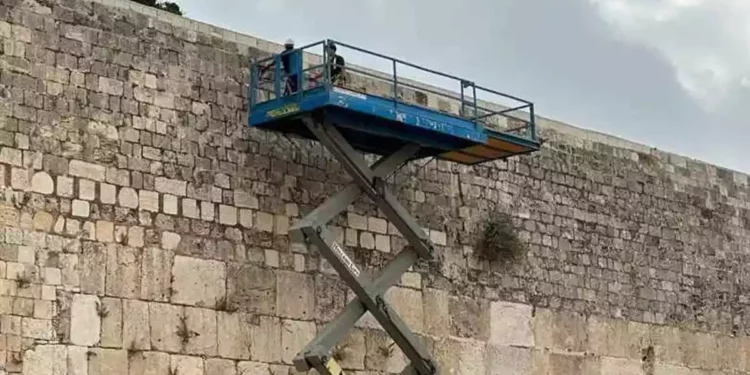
(559, 330)
(227, 215)
(128, 197)
(64, 186)
(619, 338)
(85, 323)
(43, 221)
(77, 362)
(148, 200)
(245, 200)
(198, 282)
(251, 289)
(80, 208)
(267, 340)
(501, 360)
(105, 231)
(82, 169)
(42, 183)
(108, 362)
(234, 335)
(110, 311)
(510, 324)
(621, 366)
(295, 296)
(123, 271)
(45, 360)
(190, 208)
(218, 366)
(470, 318)
(33, 328)
(252, 368)
(169, 203)
(203, 323)
(165, 322)
(135, 326)
(86, 190)
(294, 336)
(107, 193)
(170, 186)
(149, 363)
(187, 365)
(207, 211)
(264, 221)
(156, 268)
(170, 240)
(408, 304)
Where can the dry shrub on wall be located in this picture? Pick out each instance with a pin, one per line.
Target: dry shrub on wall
(498, 239)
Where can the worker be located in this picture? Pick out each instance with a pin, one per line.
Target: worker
(291, 59)
(335, 65)
(291, 63)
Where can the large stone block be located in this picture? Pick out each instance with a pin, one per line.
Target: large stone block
(621, 366)
(45, 360)
(234, 335)
(510, 324)
(618, 337)
(408, 304)
(135, 327)
(295, 335)
(252, 368)
(149, 363)
(202, 324)
(110, 311)
(502, 360)
(165, 322)
(123, 272)
(184, 365)
(156, 269)
(460, 356)
(218, 366)
(470, 318)
(85, 323)
(198, 282)
(251, 288)
(79, 168)
(561, 330)
(266, 338)
(295, 295)
(77, 363)
(108, 362)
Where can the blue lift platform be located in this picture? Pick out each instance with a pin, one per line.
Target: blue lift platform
(348, 122)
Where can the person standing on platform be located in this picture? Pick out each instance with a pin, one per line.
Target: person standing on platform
(291, 64)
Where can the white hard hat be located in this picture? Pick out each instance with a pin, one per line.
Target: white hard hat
(289, 42)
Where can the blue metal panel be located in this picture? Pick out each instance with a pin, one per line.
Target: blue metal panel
(385, 117)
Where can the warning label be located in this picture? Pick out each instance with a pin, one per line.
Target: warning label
(345, 258)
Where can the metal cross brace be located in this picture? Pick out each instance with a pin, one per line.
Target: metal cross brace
(369, 291)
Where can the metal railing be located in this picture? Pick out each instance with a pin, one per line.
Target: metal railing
(503, 118)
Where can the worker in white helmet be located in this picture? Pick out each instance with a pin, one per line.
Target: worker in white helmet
(291, 63)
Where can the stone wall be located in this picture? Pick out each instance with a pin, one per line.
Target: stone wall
(145, 228)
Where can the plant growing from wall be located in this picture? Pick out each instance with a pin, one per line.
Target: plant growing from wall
(499, 240)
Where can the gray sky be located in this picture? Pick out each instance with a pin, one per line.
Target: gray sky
(673, 74)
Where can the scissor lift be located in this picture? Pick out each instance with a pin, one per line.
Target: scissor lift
(348, 122)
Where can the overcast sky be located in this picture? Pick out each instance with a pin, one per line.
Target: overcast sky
(673, 74)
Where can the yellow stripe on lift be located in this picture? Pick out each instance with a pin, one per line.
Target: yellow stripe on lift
(459, 157)
(484, 151)
(505, 146)
(333, 367)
